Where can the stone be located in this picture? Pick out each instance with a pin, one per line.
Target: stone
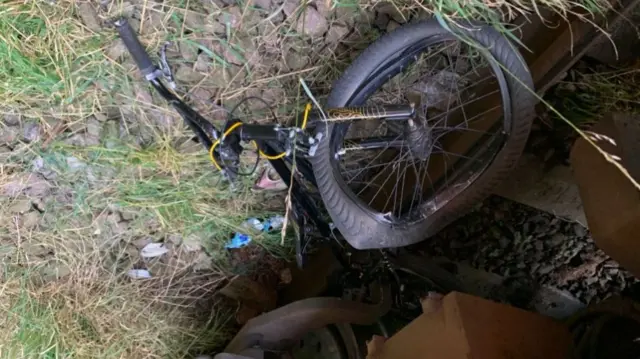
(8, 135)
(263, 4)
(188, 75)
(309, 21)
(116, 50)
(20, 206)
(188, 52)
(392, 12)
(203, 63)
(225, 51)
(75, 164)
(213, 26)
(89, 16)
(141, 242)
(94, 127)
(194, 20)
(30, 220)
(336, 33)
(296, 61)
(231, 16)
(192, 243)
(201, 94)
(176, 239)
(392, 25)
(31, 131)
(25, 183)
(11, 119)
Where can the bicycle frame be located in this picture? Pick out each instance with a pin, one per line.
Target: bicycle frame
(268, 137)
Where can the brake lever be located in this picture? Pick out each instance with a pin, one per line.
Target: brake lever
(165, 69)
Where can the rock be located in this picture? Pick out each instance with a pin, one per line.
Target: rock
(213, 26)
(154, 22)
(346, 15)
(546, 269)
(557, 239)
(8, 135)
(127, 215)
(142, 242)
(336, 33)
(381, 21)
(203, 63)
(30, 220)
(116, 50)
(187, 75)
(263, 4)
(94, 129)
(31, 131)
(309, 21)
(11, 119)
(392, 25)
(392, 12)
(75, 164)
(25, 183)
(579, 230)
(194, 20)
(231, 16)
(201, 94)
(176, 239)
(230, 55)
(191, 243)
(539, 246)
(188, 52)
(20, 206)
(323, 7)
(89, 16)
(295, 61)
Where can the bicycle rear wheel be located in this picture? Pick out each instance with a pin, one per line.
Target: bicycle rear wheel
(474, 102)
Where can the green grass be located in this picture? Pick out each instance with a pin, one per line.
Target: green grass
(100, 319)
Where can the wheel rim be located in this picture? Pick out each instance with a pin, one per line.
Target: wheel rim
(418, 148)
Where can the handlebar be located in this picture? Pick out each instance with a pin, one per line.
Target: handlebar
(135, 48)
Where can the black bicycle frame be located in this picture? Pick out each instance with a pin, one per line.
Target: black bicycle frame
(268, 137)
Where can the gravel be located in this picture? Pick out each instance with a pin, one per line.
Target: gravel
(517, 241)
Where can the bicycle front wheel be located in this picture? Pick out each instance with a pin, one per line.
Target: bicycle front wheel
(394, 183)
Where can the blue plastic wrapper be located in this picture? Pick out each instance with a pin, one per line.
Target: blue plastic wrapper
(239, 240)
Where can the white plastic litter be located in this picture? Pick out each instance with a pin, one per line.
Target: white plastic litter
(152, 250)
(139, 274)
(253, 223)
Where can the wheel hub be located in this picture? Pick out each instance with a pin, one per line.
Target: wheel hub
(419, 137)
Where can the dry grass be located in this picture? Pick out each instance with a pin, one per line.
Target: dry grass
(585, 97)
(111, 149)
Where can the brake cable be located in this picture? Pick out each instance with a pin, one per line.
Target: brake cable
(233, 127)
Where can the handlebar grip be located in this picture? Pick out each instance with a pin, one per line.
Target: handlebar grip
(135, 48)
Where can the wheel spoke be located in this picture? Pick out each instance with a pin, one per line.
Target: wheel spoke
(449, 87)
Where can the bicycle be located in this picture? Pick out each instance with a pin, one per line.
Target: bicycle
(413, 141)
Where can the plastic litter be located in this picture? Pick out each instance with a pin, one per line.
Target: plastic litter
(253, 223)
(139, 274)
(270, 224)
(152, 250)
(273, 224)
(239, 240)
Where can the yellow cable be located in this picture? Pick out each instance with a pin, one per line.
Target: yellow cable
(307, 109)
(305, 119)
(217, 142)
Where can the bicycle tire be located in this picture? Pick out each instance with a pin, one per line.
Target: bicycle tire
(357, 225)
